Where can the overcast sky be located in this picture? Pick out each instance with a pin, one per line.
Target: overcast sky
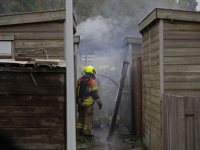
(198, 7)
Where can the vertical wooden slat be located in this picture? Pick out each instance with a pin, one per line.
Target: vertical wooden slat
(189, 123)
(175, 123)
(164, 123)
(197, 122)
(181, 124)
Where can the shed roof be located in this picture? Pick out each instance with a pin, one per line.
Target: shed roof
(131, 40)
(172, 14)
(34, 17)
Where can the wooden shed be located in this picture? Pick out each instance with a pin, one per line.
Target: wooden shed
(131, 50)
(29, 31)
(171, 58)
(33, 98)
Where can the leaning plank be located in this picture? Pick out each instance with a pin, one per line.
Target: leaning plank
(197, 122)
(31, 111)
(31, 122)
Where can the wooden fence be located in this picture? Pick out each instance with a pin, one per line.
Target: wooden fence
(180, 123)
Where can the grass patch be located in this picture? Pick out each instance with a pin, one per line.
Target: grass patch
(138, 143)
(80, 140)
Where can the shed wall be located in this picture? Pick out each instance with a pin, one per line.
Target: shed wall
(182, 58)
(33, 115)
(48, 35)
(151, 89)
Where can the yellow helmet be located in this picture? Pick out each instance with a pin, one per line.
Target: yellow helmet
(82, 69)
(90, 69)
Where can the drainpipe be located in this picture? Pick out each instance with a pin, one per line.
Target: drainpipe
(70, 77)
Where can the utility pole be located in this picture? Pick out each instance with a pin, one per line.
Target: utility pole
(70, 77)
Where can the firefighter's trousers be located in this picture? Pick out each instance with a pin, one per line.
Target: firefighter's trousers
(96, 116)
(83, 124)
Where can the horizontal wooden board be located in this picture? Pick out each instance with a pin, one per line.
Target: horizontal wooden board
(181, 35)
(31, 111)
(182, 68)
(32, 89)
(182, 76)
(154, 29)
(145, 50)
(180, 26)
(155, 84)
(154, 38)
(195, 93)
(156, 139)
(182, 60)
(36, 35)
(42, 144)
(34, 133)
(181, 43)
(155, 107)
(156, 131)
(155, 76)
(146, 96)
(182, 85)
(155, 46)
(31, 122)
(156, 115)
(146, 70)
(7, 78)
(155, 53)
(32, 100)
(181, 52)
(155, 69)
(146, 63)
(38, 43)
(34, 27)
(156, 123)
(155, 99)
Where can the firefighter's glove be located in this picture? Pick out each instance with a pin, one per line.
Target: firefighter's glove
(100, 105)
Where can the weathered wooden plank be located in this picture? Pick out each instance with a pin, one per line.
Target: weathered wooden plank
(178, 15)
(156, 123)
(182, 60)
(146, 96)
(155, 77)
(156, 139)
(189, 124)
(155, 99)
(35, 35)
(32, 89)
(147, 117)
(38, 43)
(155, 46)
(154, 29)
(146, 63)
(32, 17)
(31, 122)
(32, 100)
(183, 52)
(155, 53)
(147, 20)
(31, 111)
(156, 115)
(145, 44)
(180, 26)
(182, 76)
(7, 78)
(155, 84)
(156, 108)
(34, 27)
(197, 122)
(155, 69)
(156, 131)
(145, 50)
(184, 92)
(180, 35)
(31, 69)
(34, 133)
(181, 129)
(146, 70)
(155, 61)
(170, 128)
(6, 37)
(44, 144)
(146, 56)
(181, 68)
(182, 85)
(181, 43)
(154, 38)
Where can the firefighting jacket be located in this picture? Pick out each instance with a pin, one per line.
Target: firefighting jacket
(94, 95)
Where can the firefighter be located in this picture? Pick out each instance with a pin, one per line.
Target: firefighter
(87, 94)
(112, 92)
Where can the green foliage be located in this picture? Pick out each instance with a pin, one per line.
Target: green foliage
(82, 140)
(139, 143)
